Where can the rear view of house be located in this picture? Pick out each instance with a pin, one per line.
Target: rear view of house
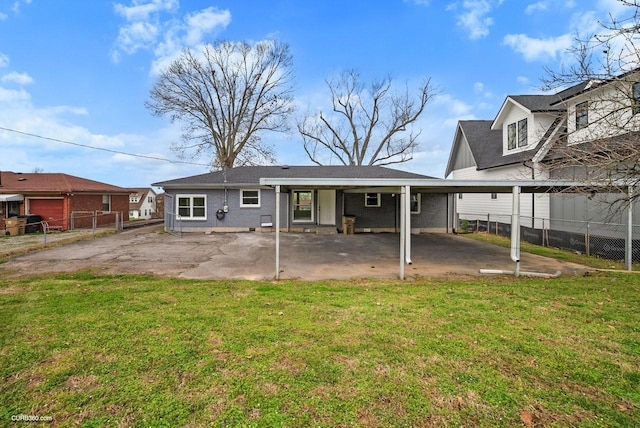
(234, 200)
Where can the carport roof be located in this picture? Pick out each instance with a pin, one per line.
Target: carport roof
(430, 185)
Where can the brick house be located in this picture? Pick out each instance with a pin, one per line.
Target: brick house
(63, 200)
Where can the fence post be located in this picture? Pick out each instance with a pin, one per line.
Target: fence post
(587, 240)
(628, 251)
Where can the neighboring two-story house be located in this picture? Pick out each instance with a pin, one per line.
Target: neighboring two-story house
(142, 204)
(532, 137)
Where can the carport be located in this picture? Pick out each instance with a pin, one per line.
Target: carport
(403, 187)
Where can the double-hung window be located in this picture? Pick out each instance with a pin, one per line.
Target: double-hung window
(582, 115)
(250, 198)
(635, 102)
(372, 200)
(192, 207)
(106, 203)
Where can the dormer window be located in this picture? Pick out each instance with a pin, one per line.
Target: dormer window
(635, 102)
(522, 133)
(517, 134)
(582, 115)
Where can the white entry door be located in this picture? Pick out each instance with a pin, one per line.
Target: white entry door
(327, 207)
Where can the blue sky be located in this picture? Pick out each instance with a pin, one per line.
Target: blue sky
(80, 71)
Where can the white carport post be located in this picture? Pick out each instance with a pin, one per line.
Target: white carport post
(407, 224)
(277, 232)
(628, 253)
(403, 226)
(515, 229)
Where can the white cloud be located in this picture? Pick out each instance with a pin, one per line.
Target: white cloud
(3, 16)
(4, 60)
(165, 36)
(549, 6)
(199, 24)
(533, 49)
(418, 2)
(142, 11)
(479, 88)
(522, 80)
(474, 17)
(19, 78)
(540, 6)
(450, 104)
(18, 3)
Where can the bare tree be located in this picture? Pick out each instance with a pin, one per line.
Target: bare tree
(601, 145)
(367, 125)
(226, 96)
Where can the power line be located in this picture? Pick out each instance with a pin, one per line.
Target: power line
(102, 148)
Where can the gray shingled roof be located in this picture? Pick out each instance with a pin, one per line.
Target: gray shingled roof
(486, 145)
(251, 175)
(553, 102)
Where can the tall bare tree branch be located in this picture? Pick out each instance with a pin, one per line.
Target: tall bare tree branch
(366, 125)
(605, 149)
(226, 96)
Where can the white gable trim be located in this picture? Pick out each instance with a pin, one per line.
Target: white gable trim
(497, 122)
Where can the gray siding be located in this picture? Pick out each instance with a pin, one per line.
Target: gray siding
(433, 212)
(372, 217)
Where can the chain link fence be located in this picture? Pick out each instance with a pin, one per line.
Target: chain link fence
(605, 240)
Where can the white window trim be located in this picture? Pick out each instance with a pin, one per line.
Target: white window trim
(419, 210)
(293, 208)
(191, 217)
(243, 205)
(516, 136)
(582, 108)
(108, 197)
(366, 199)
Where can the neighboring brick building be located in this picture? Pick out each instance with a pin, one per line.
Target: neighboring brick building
(60, 199)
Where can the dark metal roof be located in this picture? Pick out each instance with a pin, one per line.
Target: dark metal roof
(251, 175)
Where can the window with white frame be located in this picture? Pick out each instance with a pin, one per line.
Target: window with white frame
(635, 102)
(517, 134)
(302, 205)
(106, 203)
(416, 203)
(192, 207)
(250, 198)
(494, 196)
(372, 200)
(522, 133)
(582, 115)
(511, 136)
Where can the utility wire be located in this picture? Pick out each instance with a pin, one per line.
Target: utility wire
(101, 148)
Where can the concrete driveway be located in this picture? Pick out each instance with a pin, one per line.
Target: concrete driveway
(252, 256)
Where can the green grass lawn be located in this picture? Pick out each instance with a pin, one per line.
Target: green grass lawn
(140, 351)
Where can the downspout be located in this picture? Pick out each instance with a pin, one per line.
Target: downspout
(533, 195)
